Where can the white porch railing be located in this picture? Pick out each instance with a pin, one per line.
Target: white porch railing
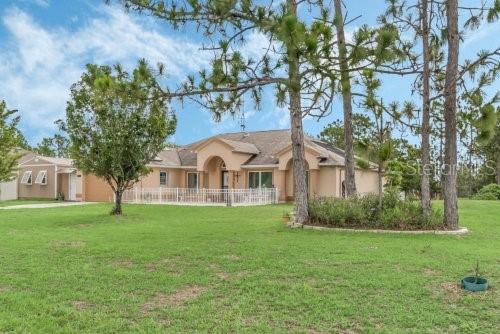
(185, 196)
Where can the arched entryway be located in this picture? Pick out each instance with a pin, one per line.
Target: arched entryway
(217, 175)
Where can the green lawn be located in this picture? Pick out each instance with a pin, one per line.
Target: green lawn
(186, 269)
(26, 201)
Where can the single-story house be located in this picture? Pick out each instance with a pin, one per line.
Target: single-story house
(47, 177)
(243, 160)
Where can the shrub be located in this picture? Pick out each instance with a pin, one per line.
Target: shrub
(489, 192)
(364, 212)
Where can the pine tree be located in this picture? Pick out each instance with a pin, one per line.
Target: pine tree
(289, 64)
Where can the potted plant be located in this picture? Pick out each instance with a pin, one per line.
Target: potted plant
(475, 283)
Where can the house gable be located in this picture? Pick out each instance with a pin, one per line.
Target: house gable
(312, 157)
(216, 147)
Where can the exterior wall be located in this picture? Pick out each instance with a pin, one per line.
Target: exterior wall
(367, 182)
(314, 177)
(8, 190)
(328, 183)
(37, 190)
(96, 189)
(289, 186)
(152, 180)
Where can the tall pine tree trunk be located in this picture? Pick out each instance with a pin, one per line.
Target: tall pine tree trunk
(297, 132)
(345, 81)
(425, 188)
(450, 106)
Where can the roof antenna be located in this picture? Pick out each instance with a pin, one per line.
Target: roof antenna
(242, 116)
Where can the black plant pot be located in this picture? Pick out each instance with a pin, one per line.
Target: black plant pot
(474, 284)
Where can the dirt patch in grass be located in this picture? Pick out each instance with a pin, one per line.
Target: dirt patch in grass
(123, 263)
(164, 322)
(4, 288)
(80, 305)
(452, 290)
(224, 276)
(430, 272)
(69, 244)
(81, 226)
(232, 257)
(168, 265)
(176, 299)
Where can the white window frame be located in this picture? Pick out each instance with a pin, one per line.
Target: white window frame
(166, 178)
(260, 178)
(197, 180)
(27, 176)
(41, 178)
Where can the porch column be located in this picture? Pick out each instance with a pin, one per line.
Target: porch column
(232, 179)
(201, 181)
(279, 182)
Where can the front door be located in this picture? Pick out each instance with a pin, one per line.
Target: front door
(72, 187)
(225, 180)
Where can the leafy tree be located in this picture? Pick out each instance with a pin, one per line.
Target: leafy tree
(487, 142)
(9, 142)
(333, 133)
(55, 146)
(117, 123)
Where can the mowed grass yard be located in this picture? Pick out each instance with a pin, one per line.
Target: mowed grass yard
(194, 269)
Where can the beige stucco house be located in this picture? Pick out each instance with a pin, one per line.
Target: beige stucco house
(240, 160)
(46, 177)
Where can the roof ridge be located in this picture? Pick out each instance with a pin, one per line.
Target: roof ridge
(258, 131)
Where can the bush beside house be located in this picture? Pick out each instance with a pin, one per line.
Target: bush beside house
(364, 212)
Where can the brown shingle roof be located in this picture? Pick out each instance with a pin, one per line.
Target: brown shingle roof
(262, 145)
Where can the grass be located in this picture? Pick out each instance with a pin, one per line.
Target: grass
(187, 269)
(26, 201)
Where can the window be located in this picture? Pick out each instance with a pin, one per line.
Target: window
(192, 180)
(26, 178)
(41, 178)
(260, 180)
(163, 178)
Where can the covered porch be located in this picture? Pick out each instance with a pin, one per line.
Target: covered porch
(69, 184)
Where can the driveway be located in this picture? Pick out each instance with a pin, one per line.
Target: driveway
(44, 206)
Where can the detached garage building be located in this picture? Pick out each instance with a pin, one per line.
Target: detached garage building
(45, 177)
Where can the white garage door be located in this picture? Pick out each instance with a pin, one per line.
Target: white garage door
(8, 190)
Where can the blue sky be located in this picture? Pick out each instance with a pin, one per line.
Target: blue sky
(45, 44)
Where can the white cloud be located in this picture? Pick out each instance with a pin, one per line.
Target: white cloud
(39, 64)
(484, 31)
(42, 3)
(255, 46)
